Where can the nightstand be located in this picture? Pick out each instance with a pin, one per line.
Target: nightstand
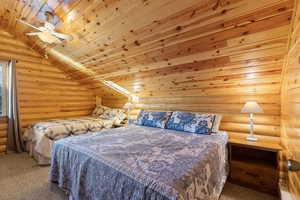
(254, 165)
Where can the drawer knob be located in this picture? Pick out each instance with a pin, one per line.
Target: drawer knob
(293, 165)
(252, 174)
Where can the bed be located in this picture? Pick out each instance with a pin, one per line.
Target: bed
(139, 162)
(39, 137)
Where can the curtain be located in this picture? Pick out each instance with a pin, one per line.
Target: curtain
(15, 140)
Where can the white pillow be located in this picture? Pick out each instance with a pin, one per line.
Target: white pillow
(217, 123)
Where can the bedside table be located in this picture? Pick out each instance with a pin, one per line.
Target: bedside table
(254, 165)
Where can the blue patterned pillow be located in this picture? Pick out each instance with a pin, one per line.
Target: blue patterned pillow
(139, 120)
(192, 122)
(153, 118)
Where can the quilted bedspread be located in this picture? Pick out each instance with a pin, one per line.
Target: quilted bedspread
(43, 134)
(60, 128)
(138, 162)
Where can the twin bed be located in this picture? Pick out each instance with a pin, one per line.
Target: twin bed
(40, 136)
(162, 156)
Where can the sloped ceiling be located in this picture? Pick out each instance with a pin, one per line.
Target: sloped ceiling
(190, 55)
(146, 46)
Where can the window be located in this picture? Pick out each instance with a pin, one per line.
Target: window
(122, 90)
(3, 87)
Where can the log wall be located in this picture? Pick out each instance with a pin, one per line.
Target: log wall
(44, 90)
(216, 66)
(290, 113)
(3, 135)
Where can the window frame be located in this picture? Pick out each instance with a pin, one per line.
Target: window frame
(4, 92)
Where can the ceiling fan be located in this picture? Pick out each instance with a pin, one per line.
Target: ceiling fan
(47, 33)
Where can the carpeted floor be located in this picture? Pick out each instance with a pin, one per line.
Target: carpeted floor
(22, 179)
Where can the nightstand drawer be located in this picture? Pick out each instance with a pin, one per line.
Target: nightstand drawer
(255, 175)
(253, 167)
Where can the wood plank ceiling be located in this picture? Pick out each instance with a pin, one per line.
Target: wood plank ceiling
(193, 55)
(131, 41)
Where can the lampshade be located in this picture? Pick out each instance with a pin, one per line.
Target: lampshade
(128, 105)
(252, 107)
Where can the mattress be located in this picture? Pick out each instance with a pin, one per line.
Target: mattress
(39, 137)
(137, 162)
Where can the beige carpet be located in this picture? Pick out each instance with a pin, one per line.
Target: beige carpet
(22, 179)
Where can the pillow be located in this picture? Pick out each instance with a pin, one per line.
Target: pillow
(217, 123)
(121, 116)
(192, 122)
(153, 118)
(139, 120)
(99, 110)
(109, 114)
(118, 115)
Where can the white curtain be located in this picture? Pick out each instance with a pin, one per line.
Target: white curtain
(15, 140)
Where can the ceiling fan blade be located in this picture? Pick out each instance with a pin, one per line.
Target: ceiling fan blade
(62, 36)
(49, 38)
(32, 34)
(23, 22)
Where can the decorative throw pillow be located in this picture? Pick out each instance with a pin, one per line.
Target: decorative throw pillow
(192, 122)
(109, 114)
(153, 118)
(118, 115)
(99, 110)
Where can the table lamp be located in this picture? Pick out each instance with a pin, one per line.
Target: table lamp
(251, 107)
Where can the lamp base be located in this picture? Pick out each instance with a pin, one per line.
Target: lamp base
(251, 138)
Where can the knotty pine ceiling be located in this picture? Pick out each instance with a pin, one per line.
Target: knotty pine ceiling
(162, 47)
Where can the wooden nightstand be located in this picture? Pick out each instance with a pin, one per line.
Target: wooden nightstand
(254, 165)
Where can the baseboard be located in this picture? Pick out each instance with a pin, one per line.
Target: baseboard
(284, 191)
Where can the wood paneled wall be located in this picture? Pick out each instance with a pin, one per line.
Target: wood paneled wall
(213, 65)
(3, 135)
(45, 92)
(114, 102)
(290, 112)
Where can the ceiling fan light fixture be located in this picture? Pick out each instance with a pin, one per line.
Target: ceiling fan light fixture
(49, 38)
(49, 26)
(47, 33)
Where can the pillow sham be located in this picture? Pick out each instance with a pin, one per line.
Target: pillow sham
(155, 119)
(118, 115)
(192, 122)
(107, 113)
(139, 120)
(99, 110)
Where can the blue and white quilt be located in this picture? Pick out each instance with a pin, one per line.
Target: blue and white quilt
(138, 162)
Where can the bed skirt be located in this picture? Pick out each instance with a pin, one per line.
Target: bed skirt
(40, 159)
